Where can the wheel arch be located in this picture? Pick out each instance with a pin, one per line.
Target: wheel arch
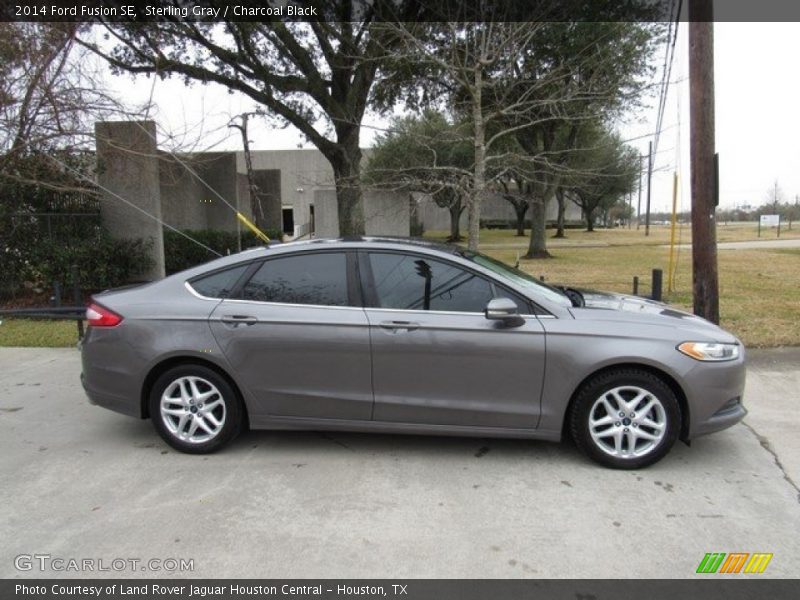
(162, 367)
(668, 379)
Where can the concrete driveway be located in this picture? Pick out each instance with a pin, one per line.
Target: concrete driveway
(79, 482)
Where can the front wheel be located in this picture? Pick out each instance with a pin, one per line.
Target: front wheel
(625, 419)
(195, 409)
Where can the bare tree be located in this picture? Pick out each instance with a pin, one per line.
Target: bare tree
(774, 197)
(50, 97)
(270, 218)
(467, 62)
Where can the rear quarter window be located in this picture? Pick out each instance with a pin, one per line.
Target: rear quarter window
(219, 284)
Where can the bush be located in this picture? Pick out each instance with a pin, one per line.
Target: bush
(181, 253)
(34, 263)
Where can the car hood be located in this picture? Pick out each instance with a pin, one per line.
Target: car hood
(610, 306)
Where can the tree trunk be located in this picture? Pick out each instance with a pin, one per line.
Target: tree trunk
(589, 221)
(455, 211)
(537, 247)
(521, 208)
(349, 199)
(475, 199)
(562, 209)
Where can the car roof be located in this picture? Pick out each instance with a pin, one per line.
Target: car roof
(358, 241)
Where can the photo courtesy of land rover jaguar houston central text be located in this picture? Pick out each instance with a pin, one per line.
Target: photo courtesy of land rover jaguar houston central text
(401, 336)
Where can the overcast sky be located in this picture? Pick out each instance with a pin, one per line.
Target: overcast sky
(757, 120)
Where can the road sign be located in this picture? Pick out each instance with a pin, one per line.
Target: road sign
(770, 220)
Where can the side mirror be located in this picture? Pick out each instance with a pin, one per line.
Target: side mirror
(504, 310)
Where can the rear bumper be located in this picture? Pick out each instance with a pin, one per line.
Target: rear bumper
(116, 403)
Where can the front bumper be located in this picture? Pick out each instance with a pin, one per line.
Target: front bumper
(714, 394)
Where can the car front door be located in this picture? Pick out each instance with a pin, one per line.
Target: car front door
(436, 359)
(297, 338)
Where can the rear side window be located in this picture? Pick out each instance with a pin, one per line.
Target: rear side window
(319, 279)
(219, 284)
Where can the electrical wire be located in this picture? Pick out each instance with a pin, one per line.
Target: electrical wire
(672, 37)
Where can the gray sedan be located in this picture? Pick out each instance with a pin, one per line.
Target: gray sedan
(396, 336)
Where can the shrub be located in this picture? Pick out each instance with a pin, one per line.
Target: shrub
(35, 262)
(181, 253)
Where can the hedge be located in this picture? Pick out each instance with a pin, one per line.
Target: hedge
(182, 253)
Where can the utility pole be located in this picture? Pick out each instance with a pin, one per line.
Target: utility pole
(705, 281)
(630, 209)
(639, 205)
(649, 178)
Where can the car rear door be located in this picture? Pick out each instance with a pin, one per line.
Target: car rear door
(436, 359)
(298, 339)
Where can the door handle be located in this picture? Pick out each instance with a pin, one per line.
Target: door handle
(239, 319)
(398, 326)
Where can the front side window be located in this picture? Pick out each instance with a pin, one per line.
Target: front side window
(319, 279)
(219, 284)
(411, 282)
(518, 277)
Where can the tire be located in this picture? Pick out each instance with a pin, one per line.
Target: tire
(602, 426)
(195, 410)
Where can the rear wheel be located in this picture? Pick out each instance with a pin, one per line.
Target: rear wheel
(625, 419)
(194, 409)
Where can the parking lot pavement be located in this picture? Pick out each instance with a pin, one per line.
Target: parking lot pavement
(81, 482)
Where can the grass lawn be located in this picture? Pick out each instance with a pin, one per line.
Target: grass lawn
(41, 334)
(659, 235)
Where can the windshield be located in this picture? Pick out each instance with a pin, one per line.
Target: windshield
(520, 278)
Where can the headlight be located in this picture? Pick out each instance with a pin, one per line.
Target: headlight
(710, 352)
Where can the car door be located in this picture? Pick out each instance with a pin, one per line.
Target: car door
(436, 359)
(297, 337)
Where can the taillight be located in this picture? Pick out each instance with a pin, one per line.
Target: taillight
(100, 316)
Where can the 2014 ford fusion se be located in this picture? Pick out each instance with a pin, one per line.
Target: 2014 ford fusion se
(385, 335)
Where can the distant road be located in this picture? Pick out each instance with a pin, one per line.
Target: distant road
(751, 245)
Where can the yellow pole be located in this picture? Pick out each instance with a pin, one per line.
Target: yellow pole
(671, 271)
(252, 227)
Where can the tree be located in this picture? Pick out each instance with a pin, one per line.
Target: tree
(314, 75)
(461, 65)
(587, 73)
(271, 218)
(525, 88)
(427, 154)
(49, 100)
(602, 176)
(774, 197)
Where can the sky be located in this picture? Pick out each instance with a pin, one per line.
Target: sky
(757, 92)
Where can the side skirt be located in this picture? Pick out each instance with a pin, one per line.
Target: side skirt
(303, 424)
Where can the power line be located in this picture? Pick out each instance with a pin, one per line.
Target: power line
(669, 56)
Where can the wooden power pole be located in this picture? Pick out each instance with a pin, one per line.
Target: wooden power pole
(705, 281)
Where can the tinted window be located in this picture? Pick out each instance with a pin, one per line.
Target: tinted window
(419, 283)
(219, 284)
(304, 279)
(514, 275)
